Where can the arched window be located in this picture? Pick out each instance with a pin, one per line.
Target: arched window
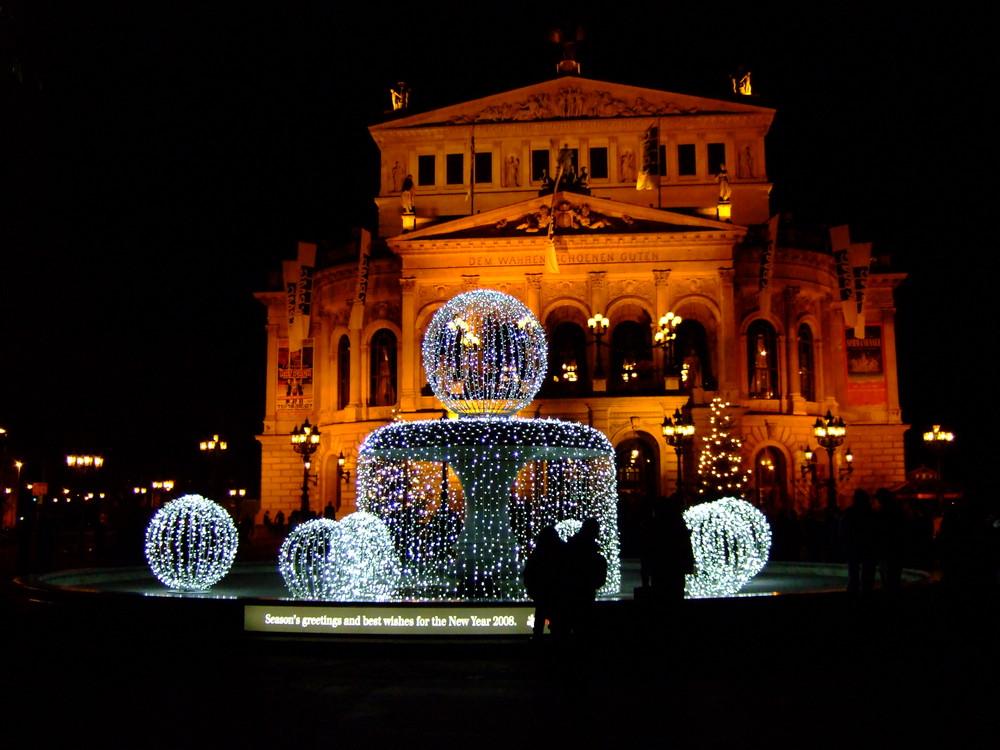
(343, 372)
(631, 356)
(807, 363)
(770, 477)
(383, 368)
(692, 356)
(762, 360)
(638, 469)
(567, 361)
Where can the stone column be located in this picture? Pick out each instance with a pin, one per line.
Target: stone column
(795, 403)
(729, 353)
(408, 363)
(895, 413)
(534, 282)
(597, 293)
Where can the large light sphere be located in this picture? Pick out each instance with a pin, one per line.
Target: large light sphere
(485, 354)
(731, 540)
(363, 562)
(191, 543)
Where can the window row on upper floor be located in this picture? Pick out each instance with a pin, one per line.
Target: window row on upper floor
(601, 164)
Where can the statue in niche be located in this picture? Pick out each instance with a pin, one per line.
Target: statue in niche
(406, 197)
(583, 181)
(691, 370)
(725, 192)
(745, 163)
(397, 177)
(626, 167)
(512, 172)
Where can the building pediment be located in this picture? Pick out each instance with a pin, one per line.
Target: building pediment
(571, 97)
(568, 214)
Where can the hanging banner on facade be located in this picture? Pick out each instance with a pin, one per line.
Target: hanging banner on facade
(361, 288)
(861, 257)
(866, 383)
(840, 245)
(649, 173)
(295, 376)
(767, 265)
(298, 277)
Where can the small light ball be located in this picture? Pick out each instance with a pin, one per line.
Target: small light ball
(304, 559)
(191, 543)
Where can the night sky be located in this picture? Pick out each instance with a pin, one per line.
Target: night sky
(159, 159)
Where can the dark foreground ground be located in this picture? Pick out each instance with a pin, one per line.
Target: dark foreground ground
(807, 671)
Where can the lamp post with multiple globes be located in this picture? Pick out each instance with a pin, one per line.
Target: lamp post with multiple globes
(936, 439)
(830, 432)
(664, 337)
(305, 442)
(598, 326)
(679, 433)
(215, 449)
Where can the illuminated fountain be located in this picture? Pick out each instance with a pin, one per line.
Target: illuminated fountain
(463, 498)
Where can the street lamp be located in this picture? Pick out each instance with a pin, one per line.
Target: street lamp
(598, 326)
(664, 339)
(214, 449)
(305, 441)
(830, 432)
(936, 439)
(679, 433)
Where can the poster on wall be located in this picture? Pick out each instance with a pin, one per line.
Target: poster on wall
(295, 376)
(865, 367)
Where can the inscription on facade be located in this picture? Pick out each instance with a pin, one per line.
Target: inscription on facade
(614, 256)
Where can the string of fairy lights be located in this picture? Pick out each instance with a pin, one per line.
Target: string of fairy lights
(448, 508)
(720, 463)
(191, 543)
(485, 353)
(731, 540)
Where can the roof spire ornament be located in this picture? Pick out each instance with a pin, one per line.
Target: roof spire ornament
(568, 38)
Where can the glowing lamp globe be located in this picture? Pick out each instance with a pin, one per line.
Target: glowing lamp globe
(485, 354)
(731, 541)
(191, 543)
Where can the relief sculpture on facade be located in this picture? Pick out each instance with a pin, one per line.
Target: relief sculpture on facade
(571, 102)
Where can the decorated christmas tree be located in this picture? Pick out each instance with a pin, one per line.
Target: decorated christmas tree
(720, 463)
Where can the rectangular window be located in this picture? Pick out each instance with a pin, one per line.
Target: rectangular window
(599, 163)
(663, 160)
(454, 169)
(425, 169)
(484, 167)
(687, 164)
(716, 157)
(539, 164)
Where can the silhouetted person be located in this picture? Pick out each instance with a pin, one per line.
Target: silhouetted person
(893, 535)
(279, 523)
(587, 570)
(544, 579)
(329, 511)
(858, 530)
(667, 557)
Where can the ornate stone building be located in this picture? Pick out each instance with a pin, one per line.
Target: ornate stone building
(581, 197)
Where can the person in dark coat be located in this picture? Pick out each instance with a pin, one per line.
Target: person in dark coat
(587, 570)
(544, 574)
(893, 534)
(667, 558)
(859, 535)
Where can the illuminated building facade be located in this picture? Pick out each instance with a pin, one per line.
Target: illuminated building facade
(580, 197)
